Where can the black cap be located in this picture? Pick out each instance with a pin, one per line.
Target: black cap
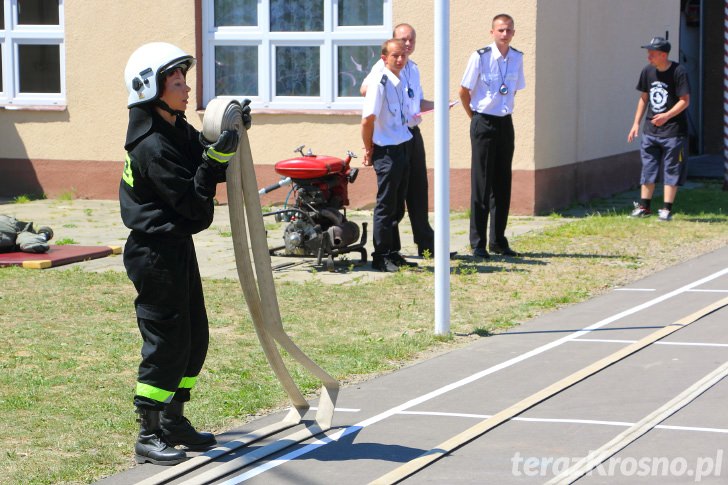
(658, 44)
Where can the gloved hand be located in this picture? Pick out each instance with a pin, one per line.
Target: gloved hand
(223, 149)
(247, 119)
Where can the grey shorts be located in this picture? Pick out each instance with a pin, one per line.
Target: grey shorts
(668, 153)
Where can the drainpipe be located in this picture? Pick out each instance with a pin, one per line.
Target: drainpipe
(725, 95)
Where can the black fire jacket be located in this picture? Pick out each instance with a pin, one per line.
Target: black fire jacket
(167, 188)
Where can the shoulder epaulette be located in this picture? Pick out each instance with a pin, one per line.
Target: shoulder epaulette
(383, 81)
(513, 48)
(413, 62)
(484, 50)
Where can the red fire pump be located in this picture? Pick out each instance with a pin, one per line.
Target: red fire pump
(317, 224)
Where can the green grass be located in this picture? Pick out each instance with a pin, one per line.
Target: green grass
(25, 198)
(68, 364)
(223, 231)
(65, 241)
(67, 196)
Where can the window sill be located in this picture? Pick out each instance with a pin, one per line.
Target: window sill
(34, 107)
(325, 112)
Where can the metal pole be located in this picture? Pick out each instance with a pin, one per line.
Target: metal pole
(442, 167)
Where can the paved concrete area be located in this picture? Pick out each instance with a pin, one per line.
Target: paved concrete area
(385, 422)
(97, 222)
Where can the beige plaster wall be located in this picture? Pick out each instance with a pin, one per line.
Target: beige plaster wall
(94, 124)
(578, 103)
(588, 60)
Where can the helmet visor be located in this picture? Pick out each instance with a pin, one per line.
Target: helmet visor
(185, 64)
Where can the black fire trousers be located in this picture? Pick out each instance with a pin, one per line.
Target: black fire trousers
(492, 142)
(171, 316)
(392, 165)
(417, 194)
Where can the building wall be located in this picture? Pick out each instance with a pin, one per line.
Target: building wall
(588, 60)
(94, 124)
(79, 150)
(582, 59)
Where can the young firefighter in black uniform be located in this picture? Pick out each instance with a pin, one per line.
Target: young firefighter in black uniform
(166, 196)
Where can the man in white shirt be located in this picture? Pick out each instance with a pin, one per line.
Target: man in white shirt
(487, 91)
(385, 135)
(417, 188)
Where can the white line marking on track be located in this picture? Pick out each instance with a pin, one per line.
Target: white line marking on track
(568, 421)
(595, 457)
(338, 410)
(654, 289)
(255, 471)
(688, 344)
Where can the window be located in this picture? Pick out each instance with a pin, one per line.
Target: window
(292, 54)
(32, 57)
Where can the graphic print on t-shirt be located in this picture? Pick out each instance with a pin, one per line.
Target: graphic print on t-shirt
(658, 96)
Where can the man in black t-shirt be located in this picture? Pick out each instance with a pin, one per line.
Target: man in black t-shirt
(665, 97)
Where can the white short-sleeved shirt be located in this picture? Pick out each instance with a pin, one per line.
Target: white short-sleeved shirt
(410, 76)
(386, 101)
(487, 70)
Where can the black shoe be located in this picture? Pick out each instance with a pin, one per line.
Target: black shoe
(384, 264)
(178, 430)
(481, 253)
(397, 259)
(506, 251)
(151, 446)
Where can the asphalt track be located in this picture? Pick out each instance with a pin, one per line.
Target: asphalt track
(385, 423)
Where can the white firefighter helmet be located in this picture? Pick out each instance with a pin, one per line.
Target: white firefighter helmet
(144, 70)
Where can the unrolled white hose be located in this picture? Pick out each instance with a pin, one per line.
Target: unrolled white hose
(243, 198)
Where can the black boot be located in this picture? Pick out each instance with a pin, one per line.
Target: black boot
(178, 430)
(151, 447)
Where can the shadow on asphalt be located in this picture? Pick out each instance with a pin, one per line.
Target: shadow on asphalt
(346, 449)
(343, 449)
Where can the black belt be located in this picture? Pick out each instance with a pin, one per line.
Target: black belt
(493, 117)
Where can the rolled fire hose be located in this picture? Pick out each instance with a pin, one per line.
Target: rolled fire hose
(261, 295)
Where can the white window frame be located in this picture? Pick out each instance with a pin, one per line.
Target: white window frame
(14, 35)
(328, 41)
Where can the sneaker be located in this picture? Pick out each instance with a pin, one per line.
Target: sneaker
(399, 260)
(664, 215)
(384, 264)
(640, 211)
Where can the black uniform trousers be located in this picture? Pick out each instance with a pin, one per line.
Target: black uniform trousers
(417, 194)
(492, 141)
(170, 310)
(392, 166)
